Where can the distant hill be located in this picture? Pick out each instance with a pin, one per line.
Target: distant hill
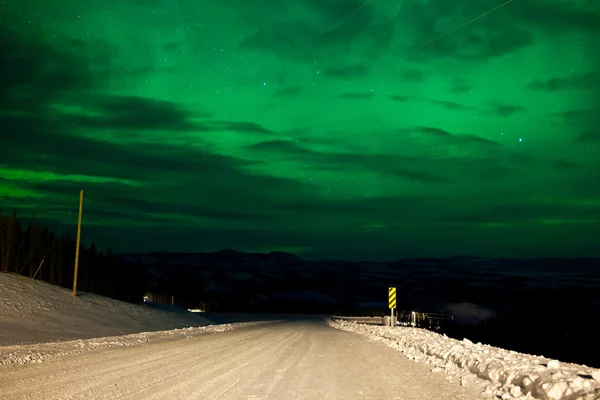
(279, 282)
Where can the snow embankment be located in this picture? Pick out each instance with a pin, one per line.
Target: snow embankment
(36, 353)
(34, 312)
(499, 372)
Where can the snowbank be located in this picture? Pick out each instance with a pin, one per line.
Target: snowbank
(498, 372)
(33, 312)
(36, 353)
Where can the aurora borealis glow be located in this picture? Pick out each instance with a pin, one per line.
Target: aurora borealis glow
(307, 126)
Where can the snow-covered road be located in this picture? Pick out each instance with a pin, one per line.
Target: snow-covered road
(304, 359)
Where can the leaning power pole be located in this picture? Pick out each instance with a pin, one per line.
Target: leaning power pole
(78, 243)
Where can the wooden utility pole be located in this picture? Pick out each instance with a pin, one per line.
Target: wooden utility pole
(78, 243)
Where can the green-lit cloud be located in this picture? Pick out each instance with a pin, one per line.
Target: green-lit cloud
(306, 124)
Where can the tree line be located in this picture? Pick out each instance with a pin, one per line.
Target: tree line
(37, 252)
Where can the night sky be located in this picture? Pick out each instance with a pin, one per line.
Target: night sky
(309, 126)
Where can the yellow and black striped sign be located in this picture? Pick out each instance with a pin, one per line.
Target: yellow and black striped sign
(392, 297)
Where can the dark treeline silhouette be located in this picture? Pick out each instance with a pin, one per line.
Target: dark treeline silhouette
(35, 251)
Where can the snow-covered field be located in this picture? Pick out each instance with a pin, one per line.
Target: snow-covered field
(33, 312)
(496, 372)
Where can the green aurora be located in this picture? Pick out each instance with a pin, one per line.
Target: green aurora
(308, 126)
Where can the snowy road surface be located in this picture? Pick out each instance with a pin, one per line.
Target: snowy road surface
(303, 359)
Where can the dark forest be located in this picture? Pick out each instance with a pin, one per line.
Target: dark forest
(33, 250)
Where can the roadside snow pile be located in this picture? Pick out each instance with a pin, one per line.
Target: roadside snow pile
(36, 353)
(33, 312)
(502, 373)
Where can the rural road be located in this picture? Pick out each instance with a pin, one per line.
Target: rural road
(302, 359)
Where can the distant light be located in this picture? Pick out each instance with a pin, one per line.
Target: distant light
(520, 139)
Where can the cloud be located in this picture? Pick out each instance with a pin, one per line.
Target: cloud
(534, 212)
(347, 72)
(450, 105)
(458, 138)
(138, 113)
(399, 166)
(583, 81)
(182, 185)
(506, 110)
(429, 169)
(36, 81)
(504, 31)
(400, 99)
(290, 91)
(335, 10)
(560, 17)
(434, 131)
(566, 165)
(589, 136)
(48, 144)
(60, 133)
(173, 46)
(349, 20)
(34, 73)
(586, 121)
(459, 86)
(414, 75)
(334, 29)
(244, 127)
(492, 37)
(113, 201)
(44, 104)
(357, 96)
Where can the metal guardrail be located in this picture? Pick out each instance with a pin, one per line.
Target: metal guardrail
(407, 318)
(360, 320)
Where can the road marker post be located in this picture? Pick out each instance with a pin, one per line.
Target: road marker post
(392, 303)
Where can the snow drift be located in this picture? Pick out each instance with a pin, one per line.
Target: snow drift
(500, 373)
(34, 311)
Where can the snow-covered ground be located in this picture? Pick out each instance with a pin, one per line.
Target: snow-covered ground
(295, 359)
(39, 321)
(495, 371)
(33, 312)
(35, 353)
